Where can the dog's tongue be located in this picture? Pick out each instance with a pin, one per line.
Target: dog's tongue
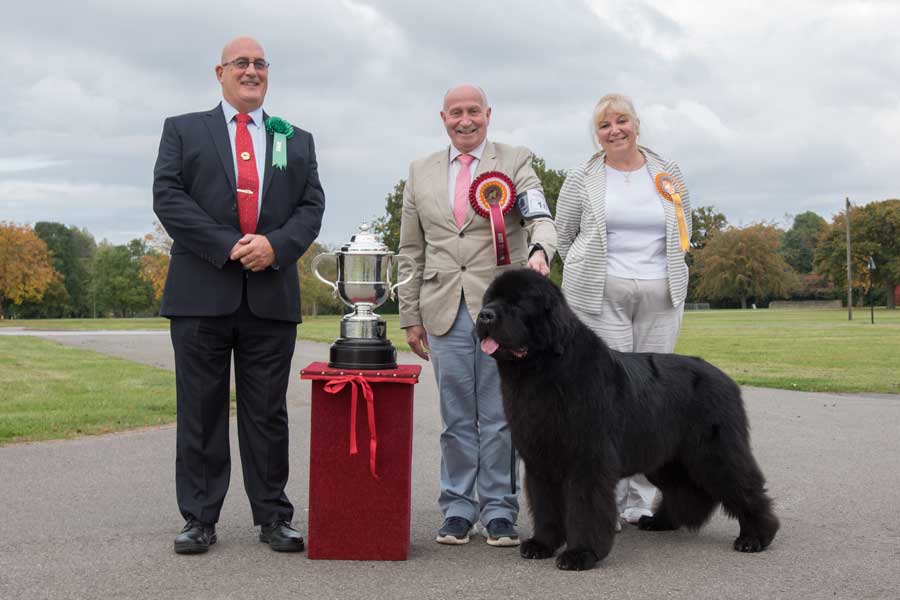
(489, 346)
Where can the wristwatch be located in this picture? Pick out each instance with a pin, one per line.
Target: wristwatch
(534, 248)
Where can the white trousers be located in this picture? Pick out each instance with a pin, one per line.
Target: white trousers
(636, 315)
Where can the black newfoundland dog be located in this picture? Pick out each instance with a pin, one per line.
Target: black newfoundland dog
(584, 416)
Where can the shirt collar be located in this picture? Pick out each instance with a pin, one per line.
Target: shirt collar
(477, 152)
(230, 112)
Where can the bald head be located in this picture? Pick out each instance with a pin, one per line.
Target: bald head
(465, 90)
(233, 48)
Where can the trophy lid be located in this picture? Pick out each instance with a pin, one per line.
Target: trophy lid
(365, 242)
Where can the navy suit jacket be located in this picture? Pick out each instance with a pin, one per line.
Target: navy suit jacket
(194, 197)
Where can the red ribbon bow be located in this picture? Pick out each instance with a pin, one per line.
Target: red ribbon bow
(334, 387)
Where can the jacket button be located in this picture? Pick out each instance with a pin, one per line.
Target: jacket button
(461, 234)
(234, 208)
(462, 268)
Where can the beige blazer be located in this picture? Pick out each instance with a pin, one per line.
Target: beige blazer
(581, 222)
(451, 262)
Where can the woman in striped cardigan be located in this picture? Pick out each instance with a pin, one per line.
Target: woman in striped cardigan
(624, 272)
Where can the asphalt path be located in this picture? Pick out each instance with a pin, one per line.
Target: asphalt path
(95, 517)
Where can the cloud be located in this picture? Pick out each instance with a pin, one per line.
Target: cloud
(767, 111)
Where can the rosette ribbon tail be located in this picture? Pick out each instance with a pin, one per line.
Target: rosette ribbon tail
(684, 238)
(279, 150)
(356, 382)
(498, 231)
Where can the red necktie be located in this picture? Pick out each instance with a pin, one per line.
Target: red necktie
(247, 176)
(461, 192)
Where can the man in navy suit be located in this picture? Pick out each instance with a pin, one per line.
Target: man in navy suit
(239, 225)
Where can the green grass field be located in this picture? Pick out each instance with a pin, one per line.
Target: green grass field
(52, 391)
(89, 324)
(812, 350)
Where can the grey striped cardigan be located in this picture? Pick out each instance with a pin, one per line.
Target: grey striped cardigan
(581, 229)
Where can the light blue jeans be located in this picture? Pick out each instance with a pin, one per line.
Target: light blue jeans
(475, 442)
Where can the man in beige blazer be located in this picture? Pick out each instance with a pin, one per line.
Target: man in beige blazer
(453, 248)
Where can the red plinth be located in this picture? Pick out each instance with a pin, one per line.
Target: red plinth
(359, 509)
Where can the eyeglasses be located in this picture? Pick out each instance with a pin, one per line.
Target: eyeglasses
(244, 63)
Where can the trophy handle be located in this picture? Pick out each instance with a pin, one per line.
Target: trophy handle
(315, 270)
(412, 263)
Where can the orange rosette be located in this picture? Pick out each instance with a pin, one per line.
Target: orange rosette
(669, 189)
(492, 195)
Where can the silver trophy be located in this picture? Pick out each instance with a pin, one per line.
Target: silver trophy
(364, 273)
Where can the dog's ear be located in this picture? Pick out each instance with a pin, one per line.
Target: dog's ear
(562, 327)
(554, 327)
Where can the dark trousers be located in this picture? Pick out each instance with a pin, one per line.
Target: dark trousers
(262, 350)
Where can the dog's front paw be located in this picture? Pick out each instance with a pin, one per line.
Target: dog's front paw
(748, 543)
(655, 523)
(531, 548)
(576, 560)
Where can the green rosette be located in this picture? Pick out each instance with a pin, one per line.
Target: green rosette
(281, 132)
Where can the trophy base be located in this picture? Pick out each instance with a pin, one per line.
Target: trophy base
(364, 354)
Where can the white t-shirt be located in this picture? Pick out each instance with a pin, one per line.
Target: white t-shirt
(635, 226)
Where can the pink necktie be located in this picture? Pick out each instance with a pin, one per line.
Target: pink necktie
(461, 193)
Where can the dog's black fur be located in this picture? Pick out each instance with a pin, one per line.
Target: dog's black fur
(583, 416)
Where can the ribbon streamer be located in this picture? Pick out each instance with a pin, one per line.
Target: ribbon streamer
(498, 232)
(279, 151)
(334, 387)
(668, 189)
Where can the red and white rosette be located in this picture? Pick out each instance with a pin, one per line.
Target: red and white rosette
(492, 195)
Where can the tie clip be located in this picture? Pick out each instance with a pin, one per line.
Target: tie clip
(242, 191)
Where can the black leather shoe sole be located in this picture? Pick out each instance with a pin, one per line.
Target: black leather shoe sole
(193, 547)
(282, 545)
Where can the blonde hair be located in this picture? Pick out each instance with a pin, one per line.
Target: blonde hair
(612, 104)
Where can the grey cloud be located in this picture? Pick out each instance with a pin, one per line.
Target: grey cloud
(767, 115)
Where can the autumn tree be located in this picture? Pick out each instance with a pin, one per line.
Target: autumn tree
(875, 233)
(26, 268)
(155, 260)
(54, 303)
(743, 263)
(706, 222)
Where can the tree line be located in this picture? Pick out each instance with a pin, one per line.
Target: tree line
(53, 270)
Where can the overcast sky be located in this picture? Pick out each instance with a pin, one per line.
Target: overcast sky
(771, 108)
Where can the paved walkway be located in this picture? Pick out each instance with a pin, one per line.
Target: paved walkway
(95, 517)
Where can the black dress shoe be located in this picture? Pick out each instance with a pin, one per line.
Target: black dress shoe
(281, 537)
(195, 538)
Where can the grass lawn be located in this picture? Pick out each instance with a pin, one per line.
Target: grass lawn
(88, 324)
(812, 350)
(53, 391)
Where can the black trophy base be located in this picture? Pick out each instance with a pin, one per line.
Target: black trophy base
(363, 354)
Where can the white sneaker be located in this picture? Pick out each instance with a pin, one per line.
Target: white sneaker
(633, 515)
